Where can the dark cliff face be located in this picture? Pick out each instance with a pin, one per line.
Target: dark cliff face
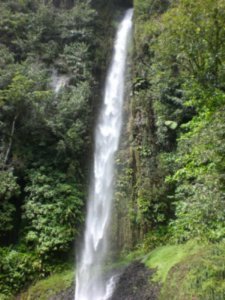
(135, 284)
(124, 3)
(119, 3)
(64, 295)
(70, 3)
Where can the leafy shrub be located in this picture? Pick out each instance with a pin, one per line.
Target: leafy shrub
(200, 185)
(8, 189)
(52, 211)
(17, 269)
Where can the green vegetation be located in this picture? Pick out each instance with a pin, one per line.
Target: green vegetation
(53, 211)
(192, 270)
(175, 159)
(163, 259)
(51, 286)
(46, 132)
(199, 276)
(188, 271)
(177, 121)
(170, 188)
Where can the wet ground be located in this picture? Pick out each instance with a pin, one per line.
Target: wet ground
(135, 284)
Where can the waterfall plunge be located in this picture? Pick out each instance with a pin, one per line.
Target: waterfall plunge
(90, 282)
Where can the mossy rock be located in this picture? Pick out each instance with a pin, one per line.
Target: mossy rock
(191, 271)
(56, 287)
(200, 276)
(165, 258)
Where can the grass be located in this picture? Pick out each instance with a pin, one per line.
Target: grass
(50, 286)
(185, 272)
(189, 271)
(200, 276)
(164, 258)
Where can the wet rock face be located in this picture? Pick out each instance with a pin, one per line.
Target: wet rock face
(135, 284)
(124, 3)
(64, 295)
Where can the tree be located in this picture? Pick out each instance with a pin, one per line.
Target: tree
(52, 212)
(9, 191)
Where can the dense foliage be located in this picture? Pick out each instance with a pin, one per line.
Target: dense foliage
(171, 167)
(46, 79)
(179, 80)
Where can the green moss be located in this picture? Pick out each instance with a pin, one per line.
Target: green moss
(50, 286)
(189, 271)
(166, 257)
(5, 297)
(200, 276)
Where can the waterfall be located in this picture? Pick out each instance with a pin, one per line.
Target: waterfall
(90, 282)
(58, 81)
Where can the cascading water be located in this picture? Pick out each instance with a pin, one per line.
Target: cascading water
(58, 81)
(90, 282)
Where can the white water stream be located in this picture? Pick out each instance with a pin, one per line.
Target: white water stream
(90, 282)
(58, 81)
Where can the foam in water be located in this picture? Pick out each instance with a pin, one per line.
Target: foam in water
(90, 282)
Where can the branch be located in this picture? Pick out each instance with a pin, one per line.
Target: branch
(10, 140)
